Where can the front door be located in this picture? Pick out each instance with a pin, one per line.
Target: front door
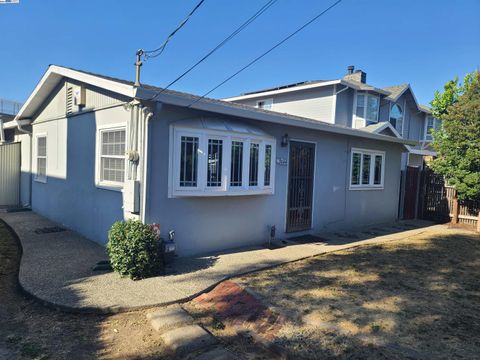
(300, 186)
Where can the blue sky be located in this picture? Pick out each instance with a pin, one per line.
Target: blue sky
(422, 42)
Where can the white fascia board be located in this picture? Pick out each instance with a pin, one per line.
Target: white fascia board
(413, 95)
(226, 108)
(53, 76)
(15, 123)
(281, 91)
(389, 126)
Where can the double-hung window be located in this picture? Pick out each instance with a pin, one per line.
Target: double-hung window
(41, 174)
(111, 145)
(209, 162)
(367, 108)
(367, 169)
(431, 125)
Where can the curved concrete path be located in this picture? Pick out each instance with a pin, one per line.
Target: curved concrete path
(57, 267)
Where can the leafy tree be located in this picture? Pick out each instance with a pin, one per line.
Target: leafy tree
(457, 142)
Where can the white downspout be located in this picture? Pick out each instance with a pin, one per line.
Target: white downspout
(2, 134)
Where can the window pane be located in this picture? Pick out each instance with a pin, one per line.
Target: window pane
(112, 169)
(360, 106)
(188, 161)
(268, 164)
(377, 179)
(41, 167)
(366, 169)
(253, 173)
(42, 146)
(214, 169)
(237, 163)
(396, 117)
(356, 160)
(113, 142)
(372, 108)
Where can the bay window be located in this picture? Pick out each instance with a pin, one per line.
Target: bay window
(366, 169)
(213, 162)
(367, 108)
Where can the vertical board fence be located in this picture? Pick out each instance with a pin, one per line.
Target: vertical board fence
(439, 202)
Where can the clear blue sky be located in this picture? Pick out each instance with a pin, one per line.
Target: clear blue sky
(422, 42)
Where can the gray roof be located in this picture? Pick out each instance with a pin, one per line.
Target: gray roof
(395, 91)
(425, 108)
(374, 127)
(280, 87)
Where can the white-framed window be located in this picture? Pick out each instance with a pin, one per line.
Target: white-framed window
(367, 169)
(41, 158)
(215, 163)
(396, 118)
(265, 104)
(367, 108)
(111, 160)
(431, 124)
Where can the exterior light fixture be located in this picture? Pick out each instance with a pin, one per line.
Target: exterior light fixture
(284, 142)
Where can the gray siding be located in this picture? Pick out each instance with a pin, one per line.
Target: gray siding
(344, 108)
(313, 103)
(95, 97)
(211, 223)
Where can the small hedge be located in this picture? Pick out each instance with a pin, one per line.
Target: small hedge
(133, 249)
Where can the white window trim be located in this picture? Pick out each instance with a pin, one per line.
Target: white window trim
(175, 190)
(107, 185)
(403, 109)
(435, 127)
(364, 117)
(268, 101)
(371, 185)
(41, 179)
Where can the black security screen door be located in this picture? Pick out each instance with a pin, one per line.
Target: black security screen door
(300, 186)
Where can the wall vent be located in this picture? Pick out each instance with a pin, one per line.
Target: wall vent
(69, 104)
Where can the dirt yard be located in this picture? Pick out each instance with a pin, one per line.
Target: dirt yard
(418, 298)
(30, 330)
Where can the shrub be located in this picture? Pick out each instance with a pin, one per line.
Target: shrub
(133, 249)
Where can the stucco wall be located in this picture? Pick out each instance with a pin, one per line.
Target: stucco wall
(208, 223)
(70, 195)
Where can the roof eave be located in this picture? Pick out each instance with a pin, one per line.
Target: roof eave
(267, 116)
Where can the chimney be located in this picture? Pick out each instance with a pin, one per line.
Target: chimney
(355, 75)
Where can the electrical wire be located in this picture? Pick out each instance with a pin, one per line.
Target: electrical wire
(267, 52)
(158, 51)
(259, 12)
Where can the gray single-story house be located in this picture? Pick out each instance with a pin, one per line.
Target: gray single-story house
(96, 149)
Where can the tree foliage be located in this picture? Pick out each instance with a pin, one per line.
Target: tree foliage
(457, 142)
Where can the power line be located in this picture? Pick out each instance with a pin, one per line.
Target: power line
(268, 51)
(158, 51)
(264, 8)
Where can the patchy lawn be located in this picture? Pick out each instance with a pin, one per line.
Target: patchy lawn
(414, 298)
(30, 330)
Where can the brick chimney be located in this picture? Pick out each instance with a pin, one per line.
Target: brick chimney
(355, 75)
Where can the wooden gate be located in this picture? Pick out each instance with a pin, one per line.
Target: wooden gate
(435, 202)
(300, 186)
(9, 174)
(411, 193)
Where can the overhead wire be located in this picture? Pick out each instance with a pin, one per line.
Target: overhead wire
(158, 51)
(268, 51)
(259, 12)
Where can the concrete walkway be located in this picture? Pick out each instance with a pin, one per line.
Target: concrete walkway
(57, 267)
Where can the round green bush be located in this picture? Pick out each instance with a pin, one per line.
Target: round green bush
(133, 249)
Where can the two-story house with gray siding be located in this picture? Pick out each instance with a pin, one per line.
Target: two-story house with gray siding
(351, 102)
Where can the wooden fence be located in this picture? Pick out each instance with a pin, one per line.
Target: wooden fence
(439, 202)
